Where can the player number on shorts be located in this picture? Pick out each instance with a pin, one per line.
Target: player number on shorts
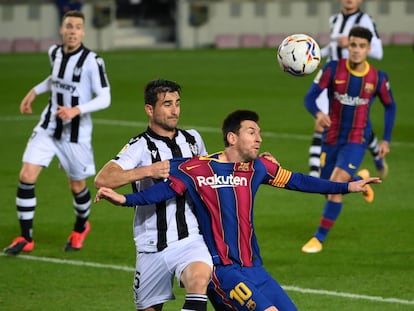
(241, 293)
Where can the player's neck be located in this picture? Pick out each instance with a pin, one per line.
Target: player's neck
(230, 155)
(158, 130)
(358, 67)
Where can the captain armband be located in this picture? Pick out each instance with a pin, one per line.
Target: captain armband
(281, 179)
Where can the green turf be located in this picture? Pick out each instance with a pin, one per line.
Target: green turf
(368, 260)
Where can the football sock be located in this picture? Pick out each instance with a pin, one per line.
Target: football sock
(329, 216)
(82, 204)
(26, 204)
(195, 302)
(373, 145)
(315, 154)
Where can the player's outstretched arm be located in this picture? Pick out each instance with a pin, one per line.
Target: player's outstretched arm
(157, 193)
(358, 186)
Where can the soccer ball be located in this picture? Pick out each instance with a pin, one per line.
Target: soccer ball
(299, 54)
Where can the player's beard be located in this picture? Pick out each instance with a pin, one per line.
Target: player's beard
(169, 125)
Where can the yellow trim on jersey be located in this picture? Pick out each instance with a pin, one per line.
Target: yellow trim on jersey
(356, 73)
(282, 177)
(210, 157)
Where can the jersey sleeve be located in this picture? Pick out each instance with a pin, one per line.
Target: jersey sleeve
(321, 82)
(387, 100)
(100, 86)
(305, 183)
(44, 86)
(157, 193)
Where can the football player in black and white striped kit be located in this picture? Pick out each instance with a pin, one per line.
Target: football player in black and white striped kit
(340, 25)
(78, 86)
(167, 237)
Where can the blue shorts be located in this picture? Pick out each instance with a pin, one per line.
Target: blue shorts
(348, 157)
(246, 288)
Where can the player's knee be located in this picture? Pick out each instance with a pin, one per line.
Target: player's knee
(196, 277)
(28, 176)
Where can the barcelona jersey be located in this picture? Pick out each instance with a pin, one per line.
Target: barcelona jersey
(223, 196)
(351, 95)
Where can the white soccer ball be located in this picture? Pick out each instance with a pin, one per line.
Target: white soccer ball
(299, 54)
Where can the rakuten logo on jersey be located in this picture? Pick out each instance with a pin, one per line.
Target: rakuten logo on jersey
(345, 99)
(221, 181)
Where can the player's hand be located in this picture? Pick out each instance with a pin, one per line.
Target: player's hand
(358, 186)
(67, 113)
(384, 148)
(159, 170)
(109, 195)
(269, 156)
(26, 103)
(323, 120)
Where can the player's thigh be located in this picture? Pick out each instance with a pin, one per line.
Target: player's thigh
(76, 159)
(350, 157)
(153, 280)
(246, 289)
(40, 149)
(191, 261)
(328, 158)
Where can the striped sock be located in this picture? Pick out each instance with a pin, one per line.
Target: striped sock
(330, 214)
(195, 302)
(315, 154)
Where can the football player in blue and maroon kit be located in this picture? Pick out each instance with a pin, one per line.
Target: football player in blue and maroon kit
(352, 85)
(222, 187)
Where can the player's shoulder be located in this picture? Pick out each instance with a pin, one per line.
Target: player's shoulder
(53, 49)
(192, 132)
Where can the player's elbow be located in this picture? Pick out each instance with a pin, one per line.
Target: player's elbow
(98, 182)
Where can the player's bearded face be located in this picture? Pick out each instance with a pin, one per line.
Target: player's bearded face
(167, 111)
(249, 140)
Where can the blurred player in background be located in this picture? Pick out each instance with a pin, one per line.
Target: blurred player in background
(340, 25)
(78, 85)
(352, 85)
(223, 187)
(167, 236)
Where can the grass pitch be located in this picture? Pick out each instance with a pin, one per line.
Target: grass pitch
(368, 259)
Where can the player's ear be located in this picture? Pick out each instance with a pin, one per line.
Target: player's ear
(149, 109)
(231, 138)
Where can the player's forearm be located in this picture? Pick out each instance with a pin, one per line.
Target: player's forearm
(306, 183)
(112, 176)
(157, 193)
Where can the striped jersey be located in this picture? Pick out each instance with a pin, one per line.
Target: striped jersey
(77, 79)
(223, 194)
(340, 25)
(351, 95)
(157, 225)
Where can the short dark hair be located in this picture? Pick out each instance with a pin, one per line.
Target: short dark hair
(361, 32)
(155, 87)
(73, 13)
(232, 123)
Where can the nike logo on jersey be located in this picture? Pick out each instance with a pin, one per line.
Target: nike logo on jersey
(340, 81)
(351, 166)
(189, 168)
